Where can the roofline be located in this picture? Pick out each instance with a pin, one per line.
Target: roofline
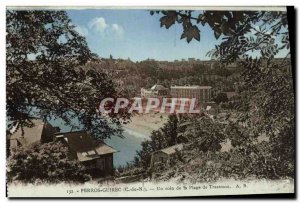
(99, 154)
(191, 87)
(97, 157)
(62, 133)
(110, 147)
(166, 148)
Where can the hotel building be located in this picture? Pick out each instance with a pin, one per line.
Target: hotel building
(201, 93)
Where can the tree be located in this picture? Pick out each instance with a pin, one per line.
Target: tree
(266, 89)
(221, 98)
(222, 22)
(47, 163)
(166, 136)
(233, 26)
(203, 133)
(45, 58)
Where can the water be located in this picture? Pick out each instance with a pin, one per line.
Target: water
(126, 146)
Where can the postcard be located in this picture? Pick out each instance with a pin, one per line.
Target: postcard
(149, 101)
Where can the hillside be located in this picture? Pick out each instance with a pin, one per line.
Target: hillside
(132, 76)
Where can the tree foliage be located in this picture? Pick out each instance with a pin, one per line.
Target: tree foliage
(221, 98)
(45, 58)
(162, 138)
(47, 163)
(222, 22)
(266, 104)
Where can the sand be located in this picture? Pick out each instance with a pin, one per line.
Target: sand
(146, 123)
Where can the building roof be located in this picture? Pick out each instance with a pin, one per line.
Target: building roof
(172, 149)
(29, 135)
(85, 147)
(157, 87)
(191, 87)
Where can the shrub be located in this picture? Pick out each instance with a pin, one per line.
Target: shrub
(50, 162)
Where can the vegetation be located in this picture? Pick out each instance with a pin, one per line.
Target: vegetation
(146, 73)
(265, 107)
(221, 98)
(47, 76)
(47, 163)
(50, 67)
(44, 57)
(168, 135)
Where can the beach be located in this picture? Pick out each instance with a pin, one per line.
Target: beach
(145, 123)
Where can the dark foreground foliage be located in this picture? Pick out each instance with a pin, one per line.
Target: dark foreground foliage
(44, 58)
(47, 163)
(261, 128)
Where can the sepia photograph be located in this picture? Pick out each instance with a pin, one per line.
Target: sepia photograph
(149, 101)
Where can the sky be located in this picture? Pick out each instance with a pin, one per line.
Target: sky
(137, 35)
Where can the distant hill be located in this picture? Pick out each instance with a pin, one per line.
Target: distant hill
(132, 76)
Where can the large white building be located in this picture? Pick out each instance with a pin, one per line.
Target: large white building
(201, 93)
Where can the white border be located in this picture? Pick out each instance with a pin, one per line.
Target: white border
(233, 8)
(110, 3)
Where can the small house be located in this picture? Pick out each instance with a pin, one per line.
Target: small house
(94, 154)
(40, 132)
(163, 156)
